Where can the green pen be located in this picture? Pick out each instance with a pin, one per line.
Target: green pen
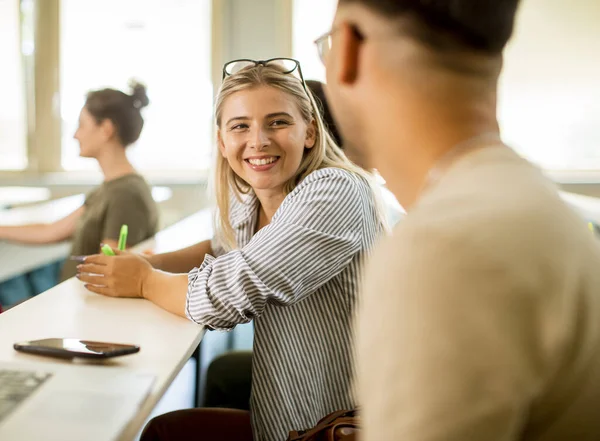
(107, 250)
(123, 237)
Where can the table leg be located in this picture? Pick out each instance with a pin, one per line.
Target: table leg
(197, 375)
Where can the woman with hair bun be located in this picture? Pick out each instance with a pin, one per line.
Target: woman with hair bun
(109, 122)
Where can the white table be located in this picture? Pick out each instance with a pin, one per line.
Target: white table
(44, 212)
(587, 206)
(68, 310)
(22, 195)
(186, 232)
(56, 209)
(18, 258)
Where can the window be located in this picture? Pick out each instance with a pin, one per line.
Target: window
(311, 19)
(13, 119)
(165, 44)
(549, 97)
(550, 88)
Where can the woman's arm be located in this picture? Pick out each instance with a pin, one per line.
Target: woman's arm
(181, 261)
(314, 237)
(158, 282)
(312, 241)
(43, 233)
(130, 275)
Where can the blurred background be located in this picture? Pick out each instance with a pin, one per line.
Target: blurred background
(53, 51)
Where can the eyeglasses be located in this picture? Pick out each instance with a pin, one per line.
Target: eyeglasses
(284, 65)
(323, 43)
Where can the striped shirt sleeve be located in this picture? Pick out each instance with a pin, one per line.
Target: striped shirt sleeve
(313, 236)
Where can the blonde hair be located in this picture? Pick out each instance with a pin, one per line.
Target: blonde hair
(325, 153)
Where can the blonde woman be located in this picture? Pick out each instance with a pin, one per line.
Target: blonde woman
(296, 218)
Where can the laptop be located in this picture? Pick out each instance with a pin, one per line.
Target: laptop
(56, 402)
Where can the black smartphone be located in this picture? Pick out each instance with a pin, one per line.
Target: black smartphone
(74, 348)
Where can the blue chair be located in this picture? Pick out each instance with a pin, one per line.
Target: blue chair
(25, 286)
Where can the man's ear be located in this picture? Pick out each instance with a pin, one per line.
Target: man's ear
(220, 143)
(311, 135)
(349, 43)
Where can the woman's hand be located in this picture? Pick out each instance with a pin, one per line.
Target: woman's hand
(123, 275)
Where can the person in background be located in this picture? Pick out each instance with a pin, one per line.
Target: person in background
(480, 316)
(296, 219)
(394, 211)
(317, 88)
(109, 122)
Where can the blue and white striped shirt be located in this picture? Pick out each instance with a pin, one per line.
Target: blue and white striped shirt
(298, 279)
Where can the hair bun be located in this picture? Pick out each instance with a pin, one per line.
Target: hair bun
(138, 95)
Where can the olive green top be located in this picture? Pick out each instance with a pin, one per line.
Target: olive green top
(125, 200)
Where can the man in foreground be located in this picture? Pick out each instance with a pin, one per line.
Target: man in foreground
(481, 314)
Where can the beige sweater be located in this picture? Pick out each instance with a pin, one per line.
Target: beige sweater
(481, 315)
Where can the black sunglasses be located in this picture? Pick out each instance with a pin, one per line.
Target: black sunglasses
(286, 65)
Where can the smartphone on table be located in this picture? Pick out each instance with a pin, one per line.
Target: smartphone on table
(75, 348)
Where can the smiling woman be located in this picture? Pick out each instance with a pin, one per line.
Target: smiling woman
(265, 147)
(265, 122)
(275, 132)
(295, 220)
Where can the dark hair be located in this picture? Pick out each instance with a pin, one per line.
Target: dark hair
(484, 25)
(123, 110)
(318, 90)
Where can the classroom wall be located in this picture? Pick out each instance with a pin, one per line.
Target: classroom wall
(258, 29)
(550, 88)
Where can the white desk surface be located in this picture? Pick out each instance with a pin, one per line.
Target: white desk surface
(44, 212)
(23, 195)
(18, 258)
(587, 206)
(49, 211)
(56, 209)
(68, 310)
